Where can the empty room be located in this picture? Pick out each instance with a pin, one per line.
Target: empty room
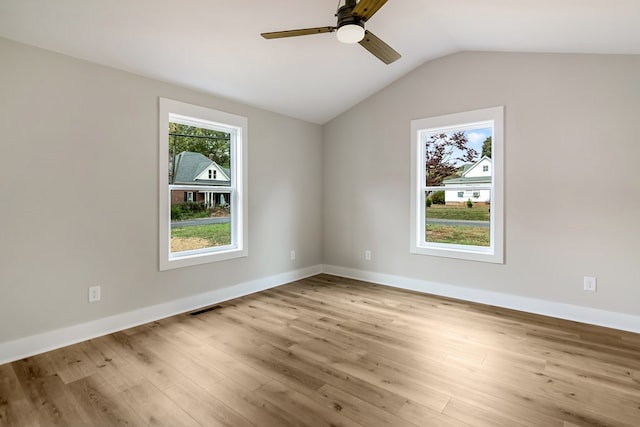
(319, 213)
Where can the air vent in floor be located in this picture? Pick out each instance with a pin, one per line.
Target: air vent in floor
(204, 310)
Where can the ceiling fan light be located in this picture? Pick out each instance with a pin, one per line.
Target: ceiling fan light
(350, 33)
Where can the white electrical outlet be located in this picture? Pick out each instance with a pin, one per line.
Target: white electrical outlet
(590, 283)
(293, 255)
(367, 255)
(94, 293)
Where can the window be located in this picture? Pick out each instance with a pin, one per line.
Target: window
(446, 159)
(201, 221)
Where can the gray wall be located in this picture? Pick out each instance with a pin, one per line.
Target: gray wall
(79, 193)
(572, 188)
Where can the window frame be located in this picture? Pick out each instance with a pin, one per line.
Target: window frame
(494, 253)
(232, 123)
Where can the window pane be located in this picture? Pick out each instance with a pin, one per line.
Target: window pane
(199, 220)
(464, 223)
(199, 156)
(454, 159)
(458, 157)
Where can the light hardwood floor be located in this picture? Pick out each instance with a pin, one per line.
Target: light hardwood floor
(329, 351)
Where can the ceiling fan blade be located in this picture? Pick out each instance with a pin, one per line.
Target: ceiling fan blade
(295, 33)
(378, 48)
(366, 8)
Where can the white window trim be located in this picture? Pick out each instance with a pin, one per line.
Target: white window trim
(239, 219)
(459, 121)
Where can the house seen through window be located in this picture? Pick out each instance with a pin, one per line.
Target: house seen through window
(457, 193)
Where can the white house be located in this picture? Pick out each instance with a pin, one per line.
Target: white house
(476, 175)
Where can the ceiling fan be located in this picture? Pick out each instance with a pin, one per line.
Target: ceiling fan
(350, 29)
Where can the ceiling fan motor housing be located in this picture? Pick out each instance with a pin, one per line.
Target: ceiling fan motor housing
(345, 15)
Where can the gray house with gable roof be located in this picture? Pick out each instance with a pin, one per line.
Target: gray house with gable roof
(195, 169)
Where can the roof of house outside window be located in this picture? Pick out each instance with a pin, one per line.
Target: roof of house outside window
(464, 179)
(190, 165)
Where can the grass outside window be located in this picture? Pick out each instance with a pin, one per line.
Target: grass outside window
(200, 236)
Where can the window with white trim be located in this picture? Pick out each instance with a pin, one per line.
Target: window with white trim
(446, 163)
(202, 185)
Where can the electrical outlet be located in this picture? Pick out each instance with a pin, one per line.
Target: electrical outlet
(293, 255)
(94, 293)
(367, 255)
(590, 284)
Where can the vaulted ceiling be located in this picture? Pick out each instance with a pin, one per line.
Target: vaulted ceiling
(215, 46)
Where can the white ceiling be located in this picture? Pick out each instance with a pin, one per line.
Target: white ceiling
(215, 46)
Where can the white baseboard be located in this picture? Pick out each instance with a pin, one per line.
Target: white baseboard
(610, 319)
(24, 347)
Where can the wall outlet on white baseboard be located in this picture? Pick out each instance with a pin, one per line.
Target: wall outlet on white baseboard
(367, 255)
(293, 255)
(590, 283)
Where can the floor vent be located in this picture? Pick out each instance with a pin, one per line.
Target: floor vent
(204, 310)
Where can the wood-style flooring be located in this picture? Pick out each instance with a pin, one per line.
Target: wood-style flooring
(329, 351)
